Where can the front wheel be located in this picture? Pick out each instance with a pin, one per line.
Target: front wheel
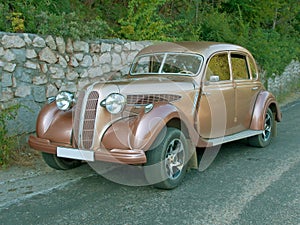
(166, 164)
(264, 139)
(60, 163)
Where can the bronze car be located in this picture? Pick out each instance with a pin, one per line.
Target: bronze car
(177, 97)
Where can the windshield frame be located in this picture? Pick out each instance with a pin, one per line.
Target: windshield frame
(164, 56)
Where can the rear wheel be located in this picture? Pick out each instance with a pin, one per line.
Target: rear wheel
(60, 163)
(167, 163)
(264, 139)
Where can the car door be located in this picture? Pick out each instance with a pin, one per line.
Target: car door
(215, 117)
(246, 88)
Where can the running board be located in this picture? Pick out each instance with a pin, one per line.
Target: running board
(233, 137)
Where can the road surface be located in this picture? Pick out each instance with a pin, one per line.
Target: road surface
(244, 185)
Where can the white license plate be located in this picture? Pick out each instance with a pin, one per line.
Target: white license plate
(72, 153)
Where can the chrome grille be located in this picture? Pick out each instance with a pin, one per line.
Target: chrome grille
(146, 99)
(89, 120)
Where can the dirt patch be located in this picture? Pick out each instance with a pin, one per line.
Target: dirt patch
(25, 156)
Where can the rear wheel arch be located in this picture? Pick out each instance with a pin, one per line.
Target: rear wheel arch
(264, 101)
(264, 139)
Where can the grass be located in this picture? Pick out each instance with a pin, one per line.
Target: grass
(22, 155)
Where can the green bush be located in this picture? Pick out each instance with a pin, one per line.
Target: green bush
(45, 17)
(143, 22)
(272, 50)
(5, 25)
(269, 29)
(70, 25)
(7, 142)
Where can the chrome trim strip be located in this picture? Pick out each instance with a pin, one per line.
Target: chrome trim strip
(234, 137)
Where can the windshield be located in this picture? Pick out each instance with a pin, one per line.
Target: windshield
(167, 63)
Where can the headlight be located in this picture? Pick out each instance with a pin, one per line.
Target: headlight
(114, 103)
(64, 100)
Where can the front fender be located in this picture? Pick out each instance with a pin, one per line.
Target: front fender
(54, 125)
(148, 125)
(140, 131)
(264, 101)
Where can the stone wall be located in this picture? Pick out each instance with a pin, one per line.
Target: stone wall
(287, 82)
(33, 68)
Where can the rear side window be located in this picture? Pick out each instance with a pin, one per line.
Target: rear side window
(253, 68)
(239, 67)
(218, 66)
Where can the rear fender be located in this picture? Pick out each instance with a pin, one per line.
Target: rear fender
(264, 101)
(54, 125)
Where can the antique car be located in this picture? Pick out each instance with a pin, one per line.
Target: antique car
(176, 98)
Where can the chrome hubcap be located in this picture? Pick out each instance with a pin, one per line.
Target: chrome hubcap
(174, 161)
(268, 127)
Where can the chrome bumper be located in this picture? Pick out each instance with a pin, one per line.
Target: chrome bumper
(127, 156)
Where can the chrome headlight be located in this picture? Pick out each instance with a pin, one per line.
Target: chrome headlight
(114, 103)
(64, 100)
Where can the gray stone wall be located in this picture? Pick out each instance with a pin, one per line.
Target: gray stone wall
(33, 68)
(287, 82)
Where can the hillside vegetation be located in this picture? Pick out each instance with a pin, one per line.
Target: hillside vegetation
(269, 29)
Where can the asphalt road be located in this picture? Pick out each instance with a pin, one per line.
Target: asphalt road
(244, 185)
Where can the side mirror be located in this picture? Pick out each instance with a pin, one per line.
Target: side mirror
(214, 78)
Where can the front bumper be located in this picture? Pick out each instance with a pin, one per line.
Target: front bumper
(128, 156)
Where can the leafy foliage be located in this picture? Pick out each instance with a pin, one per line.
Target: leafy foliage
(7, 142)
(269, 29)
(17, 22)
(69, 25)
(59, 18)
(143, 14)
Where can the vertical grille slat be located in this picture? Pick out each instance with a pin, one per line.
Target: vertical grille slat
(76, 116)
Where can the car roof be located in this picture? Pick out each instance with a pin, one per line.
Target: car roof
(202, 47)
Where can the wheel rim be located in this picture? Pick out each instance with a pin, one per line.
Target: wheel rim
(174, 161)
(268, 127)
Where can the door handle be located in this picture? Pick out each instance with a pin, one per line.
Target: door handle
(254, 88)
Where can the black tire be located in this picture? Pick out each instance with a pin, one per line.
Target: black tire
(167, 161)
(264, 139)
(60, 163)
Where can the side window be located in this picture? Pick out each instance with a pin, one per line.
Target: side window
(218, 66)
(252, 68)
(239, 67)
